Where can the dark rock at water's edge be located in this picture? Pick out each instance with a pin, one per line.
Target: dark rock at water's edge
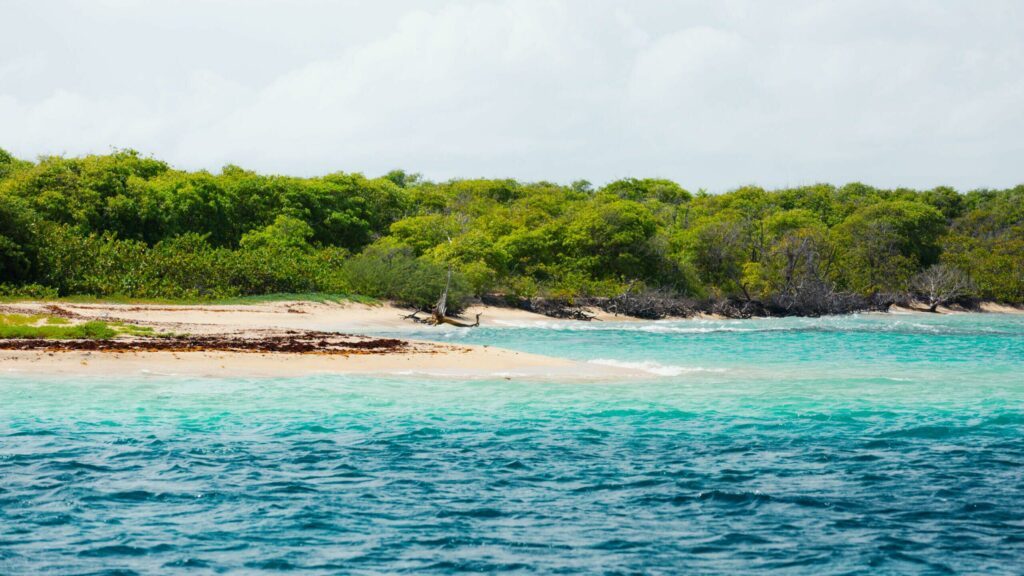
(656, 305)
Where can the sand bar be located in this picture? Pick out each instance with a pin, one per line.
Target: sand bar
(332, 325)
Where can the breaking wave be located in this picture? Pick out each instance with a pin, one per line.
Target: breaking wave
(851, 323)
(652, 367)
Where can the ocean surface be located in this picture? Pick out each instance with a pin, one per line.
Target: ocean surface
(870, 444)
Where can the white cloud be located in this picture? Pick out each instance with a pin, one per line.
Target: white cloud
(712, 94)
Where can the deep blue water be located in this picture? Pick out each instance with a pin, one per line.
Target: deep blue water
(873, 444)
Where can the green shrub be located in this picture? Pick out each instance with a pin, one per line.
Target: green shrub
(90, 330)
(480, 278)
(123, 225)
(392, 271)
(27, 292)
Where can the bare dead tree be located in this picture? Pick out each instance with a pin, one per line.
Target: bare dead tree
(802, 271)
(441, 307)
(439, 314)
(941, 284)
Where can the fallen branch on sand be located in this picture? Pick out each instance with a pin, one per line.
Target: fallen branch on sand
(434, 320)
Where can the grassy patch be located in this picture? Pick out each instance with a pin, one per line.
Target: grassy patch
(320, 297)
(86, 331)
(51, 327)
(88, 299)
(133, 330)
(20, 319)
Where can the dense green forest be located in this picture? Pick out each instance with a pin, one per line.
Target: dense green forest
(130, 226)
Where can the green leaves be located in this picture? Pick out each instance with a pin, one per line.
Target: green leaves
(125, 225)
(611, 239)
(391, 270)
(882, 245)
(640, 190)
(286, 233)
(718, 248)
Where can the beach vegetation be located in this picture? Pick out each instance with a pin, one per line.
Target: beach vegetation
(38, 326)
(126, 226)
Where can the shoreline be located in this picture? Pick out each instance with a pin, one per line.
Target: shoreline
(299, 338)
(983, 308)
(274, 340)
(464, 362)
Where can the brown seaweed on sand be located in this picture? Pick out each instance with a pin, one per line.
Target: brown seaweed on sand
(301, 343)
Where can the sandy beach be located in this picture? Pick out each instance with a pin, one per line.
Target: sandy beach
(984, 307)
(434, 360)
(279, 339)
(283, 320)
(350, 317)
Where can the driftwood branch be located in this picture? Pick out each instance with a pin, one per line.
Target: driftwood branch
(454, 322)
(439, 314)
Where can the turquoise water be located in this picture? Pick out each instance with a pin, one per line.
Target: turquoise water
(870, 444)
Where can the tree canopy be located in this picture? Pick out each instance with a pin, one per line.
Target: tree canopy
(128, 225)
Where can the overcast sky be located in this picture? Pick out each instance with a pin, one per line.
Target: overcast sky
(712, 94)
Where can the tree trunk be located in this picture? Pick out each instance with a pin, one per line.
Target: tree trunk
(453, 322)
(441, 308)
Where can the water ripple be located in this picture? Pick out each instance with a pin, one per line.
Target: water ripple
(844, 467)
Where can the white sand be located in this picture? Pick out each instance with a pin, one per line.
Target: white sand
(431, 359)
(986, 307)
(461, 363)
(334, 317)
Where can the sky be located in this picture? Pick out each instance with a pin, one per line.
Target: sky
(714, 94)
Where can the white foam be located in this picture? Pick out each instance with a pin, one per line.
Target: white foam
(653, 367)
(155, 373)
(656, 327)
(459, 373)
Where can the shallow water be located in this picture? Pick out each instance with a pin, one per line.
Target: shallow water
(839, 445)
